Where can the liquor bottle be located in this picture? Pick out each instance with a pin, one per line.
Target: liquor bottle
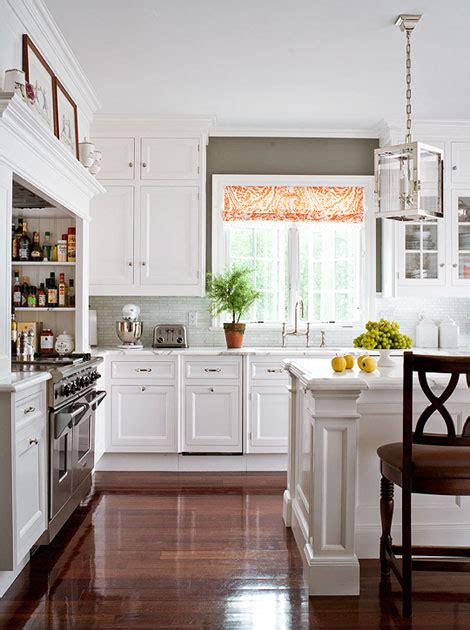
(14, 334)
(62, 291)
(32, 298)
(14, 243)
(71, 245)
(24, 292)
(17, 291)
(71, 294)
(62, 249)
(16, 240)
(52, 292)
(42, 298)
(47, 247)
(24, 245)
(36, 249)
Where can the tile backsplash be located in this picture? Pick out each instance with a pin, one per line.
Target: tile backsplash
(176, 309)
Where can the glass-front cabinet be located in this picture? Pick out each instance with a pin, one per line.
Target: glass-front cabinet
(461, 237)
(422, 261)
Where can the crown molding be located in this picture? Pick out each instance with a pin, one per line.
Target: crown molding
(122, 124)
(295, 132)
(32, 152)
(38, 22)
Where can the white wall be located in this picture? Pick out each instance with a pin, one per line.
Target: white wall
(33, 17)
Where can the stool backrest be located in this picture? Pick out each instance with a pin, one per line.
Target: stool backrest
(424, 365)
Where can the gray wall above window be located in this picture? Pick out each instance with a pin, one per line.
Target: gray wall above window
(286, 156)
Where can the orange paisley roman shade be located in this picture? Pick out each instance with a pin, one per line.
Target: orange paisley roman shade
(294, 203)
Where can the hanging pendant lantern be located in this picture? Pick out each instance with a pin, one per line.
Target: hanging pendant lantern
(409, 176)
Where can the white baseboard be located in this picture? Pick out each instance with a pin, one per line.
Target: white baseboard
(173, 462)
(8, 577)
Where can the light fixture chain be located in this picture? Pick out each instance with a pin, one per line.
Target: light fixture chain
(408, 86)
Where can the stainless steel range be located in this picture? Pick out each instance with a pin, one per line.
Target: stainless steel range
(72, 398)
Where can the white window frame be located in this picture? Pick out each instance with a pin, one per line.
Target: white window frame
(368, 250)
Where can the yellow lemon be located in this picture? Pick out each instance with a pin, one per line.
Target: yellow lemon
(349, 361)
(369, 364)
(361, 359)
(338, 364)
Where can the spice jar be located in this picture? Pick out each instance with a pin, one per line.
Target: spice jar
(46, 341)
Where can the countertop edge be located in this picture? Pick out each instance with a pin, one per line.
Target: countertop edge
(25, 382)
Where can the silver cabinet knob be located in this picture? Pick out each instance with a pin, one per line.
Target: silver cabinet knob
(455, 265)
(142, 389)
(454, 168)
(130, 264)
(144, 164)
(442, 265)
(143, 263)
(131, 164)
(211, 389)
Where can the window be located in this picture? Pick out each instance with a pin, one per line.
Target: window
(326, 263)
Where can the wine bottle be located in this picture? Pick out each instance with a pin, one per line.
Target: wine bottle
(42, 298)
(62, 291)
(36, 249)
(14, 243)
(17, 291)
(71, 294)
(52, 292)
(24, 245)
(47, 247)
(24, 292)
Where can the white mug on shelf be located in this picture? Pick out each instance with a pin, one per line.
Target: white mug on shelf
(96, 166)
(14, 81)
(87, 153)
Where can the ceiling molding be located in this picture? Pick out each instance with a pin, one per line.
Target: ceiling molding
(38, 22)
(295, 132)
(122, 125)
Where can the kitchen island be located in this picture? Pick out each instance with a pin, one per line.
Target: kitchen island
(337, 421)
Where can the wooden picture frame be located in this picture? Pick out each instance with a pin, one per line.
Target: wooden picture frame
(39, 73)
(65, 118)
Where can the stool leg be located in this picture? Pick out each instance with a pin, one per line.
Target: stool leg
(386, 515)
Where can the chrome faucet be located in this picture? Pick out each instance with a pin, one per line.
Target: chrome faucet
(323, 339)
(299, 313)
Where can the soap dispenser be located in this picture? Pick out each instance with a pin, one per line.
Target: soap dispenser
(427, 333)
(448, 333)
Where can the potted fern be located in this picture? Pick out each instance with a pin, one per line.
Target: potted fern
(232, 292)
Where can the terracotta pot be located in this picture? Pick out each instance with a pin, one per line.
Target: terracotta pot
(234, 335)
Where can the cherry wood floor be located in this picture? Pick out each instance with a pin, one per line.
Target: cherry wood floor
(161, 550)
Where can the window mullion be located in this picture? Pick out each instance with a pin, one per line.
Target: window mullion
(293, 258)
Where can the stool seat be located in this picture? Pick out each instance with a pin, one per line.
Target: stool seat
(429, 462)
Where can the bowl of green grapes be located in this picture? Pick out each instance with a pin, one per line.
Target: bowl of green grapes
(383, 336)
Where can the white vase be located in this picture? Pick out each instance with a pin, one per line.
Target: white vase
(385, 359)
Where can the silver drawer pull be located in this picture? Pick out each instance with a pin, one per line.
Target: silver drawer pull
(212, 370)
(142, 389)
(29, 410)
(211, 389)
(275, 370)
(143, 369)
(33, 441)
(131, 164)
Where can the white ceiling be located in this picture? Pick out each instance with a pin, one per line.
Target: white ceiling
(271, 63)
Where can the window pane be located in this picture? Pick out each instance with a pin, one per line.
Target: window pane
(241, 242)
(342, 243)
(266, 307)
(267, 275)
(344, 274)
(345, 307)
(267, 243)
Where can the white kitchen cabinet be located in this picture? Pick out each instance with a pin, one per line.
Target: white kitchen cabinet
(170, 158)
(118, 157)
(460, 157)
(143, 418)
(31, 483)
(112, 238)
(212, 418)
(154, 244)
(461, 238)
(269, 418)
(170, 251)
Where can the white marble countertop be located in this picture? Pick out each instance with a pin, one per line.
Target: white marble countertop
(221, 350)
(18, 381)
(317, 373)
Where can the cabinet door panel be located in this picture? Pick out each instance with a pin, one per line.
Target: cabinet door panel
(461, 162)
(112, 237)
(31, 511)
(170, 236)
(118, 158)
(269, 418)
(144, 417)
(170, 158)
(212, 419)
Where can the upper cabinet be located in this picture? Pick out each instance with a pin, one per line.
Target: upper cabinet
(170, 158)
(420, 257)
(148, 230)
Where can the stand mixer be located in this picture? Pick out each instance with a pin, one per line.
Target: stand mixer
(130, 328)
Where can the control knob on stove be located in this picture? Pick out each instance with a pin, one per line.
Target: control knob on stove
(179, 339)
(67, 390)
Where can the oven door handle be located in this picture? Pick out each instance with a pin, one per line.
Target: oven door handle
(66, 420)
(97, 399)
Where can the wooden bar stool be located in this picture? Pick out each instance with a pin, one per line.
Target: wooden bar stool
(425, 463)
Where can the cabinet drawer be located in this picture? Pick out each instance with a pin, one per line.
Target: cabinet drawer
(213, 370)
(29, 408)
(268, 371)
(143, 370)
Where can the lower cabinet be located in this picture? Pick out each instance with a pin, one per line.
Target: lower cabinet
(30, 490)
(212, 418)
(144, 417)
(269, 418)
